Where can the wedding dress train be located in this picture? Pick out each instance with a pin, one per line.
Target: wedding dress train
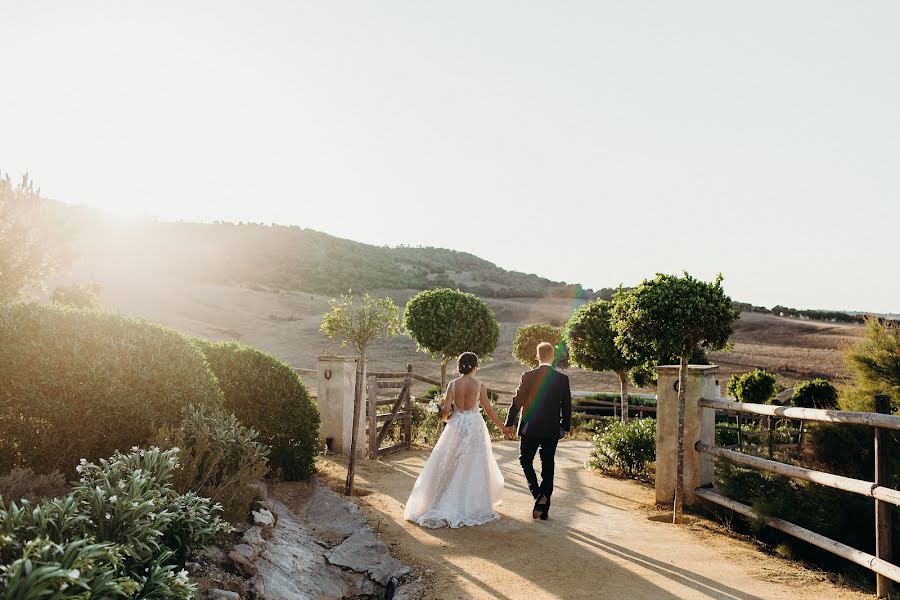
(460, 483)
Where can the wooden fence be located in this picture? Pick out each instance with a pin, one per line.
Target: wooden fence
(882, 421)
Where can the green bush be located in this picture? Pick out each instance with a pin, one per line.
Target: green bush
(81, 384)
(266, 394)
(625, 448)
(123, 532)
(219, 458)
(755, 387)
(815, 393)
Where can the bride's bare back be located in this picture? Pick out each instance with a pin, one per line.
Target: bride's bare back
(467, 393)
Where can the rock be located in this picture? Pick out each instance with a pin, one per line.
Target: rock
(213, 555)
(254, 537)
(264, 517)
(243, 557)
(414, 590)
(191, 567)
(217, 594)
(365, 553)
(331, 517)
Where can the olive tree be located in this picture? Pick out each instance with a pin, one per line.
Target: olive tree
(445, 323)
(33, 241)
(529, 336)
(673, 316)
(755, 387)
(359, 324)
(592, 345)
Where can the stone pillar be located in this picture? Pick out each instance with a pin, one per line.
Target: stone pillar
(699, 425)
(337, 382)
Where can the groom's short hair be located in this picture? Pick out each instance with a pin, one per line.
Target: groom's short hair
(545, 352)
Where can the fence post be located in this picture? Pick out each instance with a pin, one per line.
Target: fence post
(883, 541)
(407, 421)
(372, 389)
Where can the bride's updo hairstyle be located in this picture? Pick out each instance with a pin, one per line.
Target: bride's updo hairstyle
(466, 363)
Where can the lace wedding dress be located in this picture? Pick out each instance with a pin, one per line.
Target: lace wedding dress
(460, 483)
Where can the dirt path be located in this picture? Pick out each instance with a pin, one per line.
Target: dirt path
(601, 542)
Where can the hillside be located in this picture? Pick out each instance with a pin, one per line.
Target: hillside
(276, 257)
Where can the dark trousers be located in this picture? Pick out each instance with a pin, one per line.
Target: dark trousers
(528, 447)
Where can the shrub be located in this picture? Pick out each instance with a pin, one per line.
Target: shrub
(815, 393)
(219, 458)
(25, 484)
(625, 448)
(755, 387)
(266, 394)
(78, 295)
(80, 384)
(123, 532)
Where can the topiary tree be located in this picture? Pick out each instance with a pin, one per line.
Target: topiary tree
(815, 393)
(359, 324)
(80, 384)
(755, 387)
(266, 394)
(529, 336)
(78, 295)
(673, 316)
(33, 242)
(445, 323)
(592, 345)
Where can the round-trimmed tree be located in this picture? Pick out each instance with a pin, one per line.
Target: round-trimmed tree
(755, 387)
(592, 345)
(445, 323)
(673, 316)
(815, 393)
(266, 394)
(529, 336)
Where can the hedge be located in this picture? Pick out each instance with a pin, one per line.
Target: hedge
(82, 384)
(266, 394)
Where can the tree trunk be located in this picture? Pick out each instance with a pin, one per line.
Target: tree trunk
(800, 437)
(678, 504)
(444, 361)
(623, 383)
(354, 435)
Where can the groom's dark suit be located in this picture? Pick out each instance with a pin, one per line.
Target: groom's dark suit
(545, 400)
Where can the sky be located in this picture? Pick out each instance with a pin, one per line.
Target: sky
(592, 142)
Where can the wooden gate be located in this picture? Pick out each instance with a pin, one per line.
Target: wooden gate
(381, 421)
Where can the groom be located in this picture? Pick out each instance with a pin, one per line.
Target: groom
(545, 400)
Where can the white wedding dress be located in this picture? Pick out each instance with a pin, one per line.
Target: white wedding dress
(460, 483)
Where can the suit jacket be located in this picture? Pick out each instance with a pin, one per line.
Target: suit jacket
(545, 400)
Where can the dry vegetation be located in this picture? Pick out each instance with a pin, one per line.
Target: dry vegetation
(286, 324)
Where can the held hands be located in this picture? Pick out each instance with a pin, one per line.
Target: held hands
(508, 432)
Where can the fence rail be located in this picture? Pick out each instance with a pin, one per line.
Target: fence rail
(884, 496)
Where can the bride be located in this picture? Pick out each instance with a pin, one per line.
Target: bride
(460, 483)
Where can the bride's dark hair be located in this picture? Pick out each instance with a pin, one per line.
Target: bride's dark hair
(466, 363)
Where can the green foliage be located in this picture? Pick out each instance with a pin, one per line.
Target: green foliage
(80, 384)
(529, 336)
(78, 295)
(25, 484)
(592, 340)
(755, 387)
(672, 316)
(446, 323)
(815, 393)
(625, 448)
(875, 360)
(34, 242)
(122, 532)
(220, 459)
(359, 325)
(266, 394)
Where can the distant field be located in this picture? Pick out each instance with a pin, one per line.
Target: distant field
(286, 324)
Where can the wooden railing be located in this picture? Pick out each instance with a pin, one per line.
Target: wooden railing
(884, 497)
